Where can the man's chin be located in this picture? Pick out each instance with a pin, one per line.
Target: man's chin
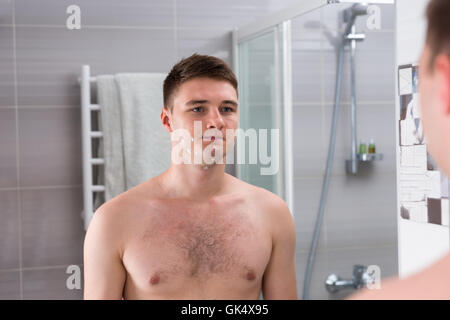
(212, 162)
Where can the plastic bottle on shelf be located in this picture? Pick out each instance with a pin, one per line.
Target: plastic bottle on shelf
(372, 148)
(362, 147)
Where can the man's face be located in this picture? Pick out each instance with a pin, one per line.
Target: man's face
(213, 104)
(434, 101)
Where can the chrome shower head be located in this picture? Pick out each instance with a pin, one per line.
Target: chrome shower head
(351, 13)
(358, 9)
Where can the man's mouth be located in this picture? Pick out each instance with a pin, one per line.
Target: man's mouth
(212, 138)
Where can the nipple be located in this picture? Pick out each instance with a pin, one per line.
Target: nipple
(154, 279)
(250, 275)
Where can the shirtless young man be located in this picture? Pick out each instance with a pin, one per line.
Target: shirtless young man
(434, 82)
(192, 233)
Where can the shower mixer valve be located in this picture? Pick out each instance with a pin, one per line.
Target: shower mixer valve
(361, 277)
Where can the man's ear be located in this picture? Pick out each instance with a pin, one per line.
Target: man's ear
(442, 70)
(166, 119)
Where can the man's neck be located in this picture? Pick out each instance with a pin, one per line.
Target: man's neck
(196, 182)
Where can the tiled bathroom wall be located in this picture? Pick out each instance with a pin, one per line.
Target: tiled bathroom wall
(41, 231)
(360, 225)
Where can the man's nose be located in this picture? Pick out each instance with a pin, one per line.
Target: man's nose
(215, 120)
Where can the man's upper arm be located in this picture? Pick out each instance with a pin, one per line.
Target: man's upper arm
(104, 274)
(279, 281)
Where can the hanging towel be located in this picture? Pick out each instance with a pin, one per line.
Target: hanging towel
(135, 146)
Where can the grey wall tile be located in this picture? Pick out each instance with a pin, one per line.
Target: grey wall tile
(306, 204)
(375, 59)
(50, 146)
(9, 285)
(308, 141)
(307, 75)
(52, 228)
(9, 230)
(98, 13)
(6, 11)
(271, 6)
(6, 64)
(361, 212)
(219, 14)
(49, 284)
(8, 154)
(210, 41)
(50, 59)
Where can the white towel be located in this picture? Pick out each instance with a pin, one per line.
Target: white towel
(136, 145)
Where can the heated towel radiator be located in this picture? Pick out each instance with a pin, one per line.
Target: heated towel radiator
(86, 138)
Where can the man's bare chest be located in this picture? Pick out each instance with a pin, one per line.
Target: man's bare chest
(217, 243)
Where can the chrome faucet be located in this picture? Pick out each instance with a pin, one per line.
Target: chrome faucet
(360, 278)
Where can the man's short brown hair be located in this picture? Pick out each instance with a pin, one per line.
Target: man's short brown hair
(438, 31)
(195, 66)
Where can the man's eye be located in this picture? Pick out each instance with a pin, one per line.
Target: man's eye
(228, 109)
(196, 109)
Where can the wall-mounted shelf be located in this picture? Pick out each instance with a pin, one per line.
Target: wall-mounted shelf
(352, 165)
(365, 157)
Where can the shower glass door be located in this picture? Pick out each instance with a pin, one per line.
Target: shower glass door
(260, 74)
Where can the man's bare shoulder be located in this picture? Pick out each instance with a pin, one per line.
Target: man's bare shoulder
(266, 201)
(133, 197)
(263, 196)
(108, 219)
(116, 220)
(117, 211)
